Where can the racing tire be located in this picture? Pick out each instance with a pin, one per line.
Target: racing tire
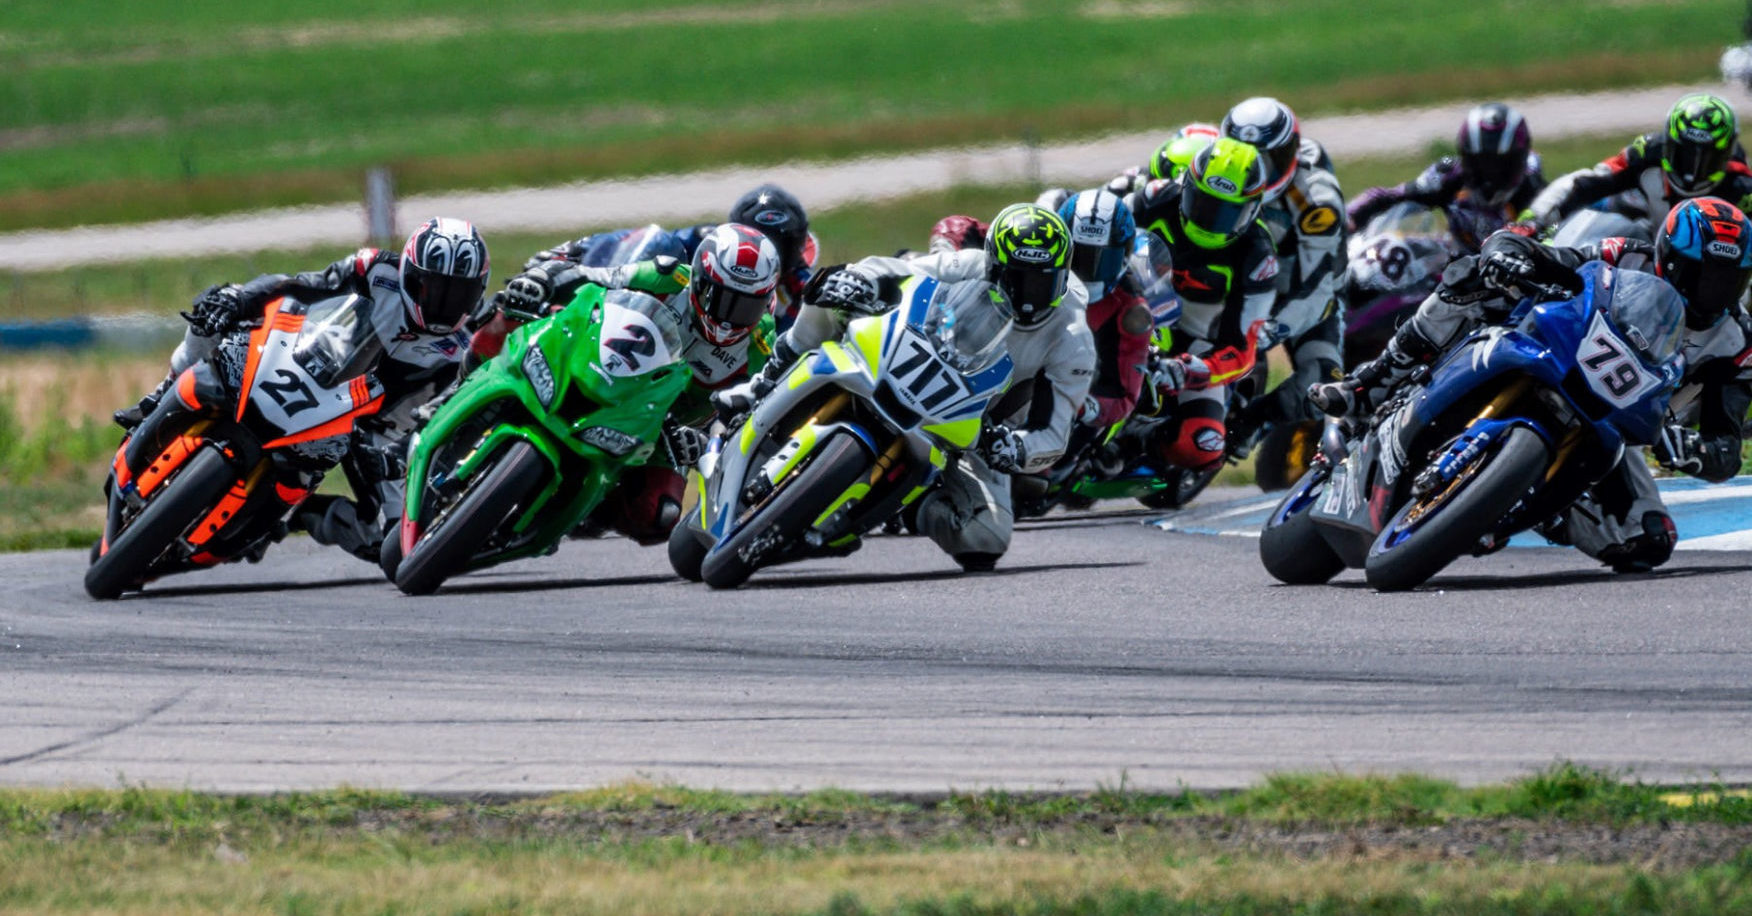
(1284, 452)
(838, 465)
(1461, 519)
(1290, 544)
(1182, 486)
(389, 553)
(186, 497)
(446, 549)
(687, 548)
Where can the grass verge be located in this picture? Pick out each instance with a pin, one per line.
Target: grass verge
(160, 110)
(1567, 840)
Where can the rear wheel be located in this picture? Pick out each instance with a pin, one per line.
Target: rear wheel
(839, 463)
(1284, 453)
(389, 553)
(1290, 545)
(180, 503)
(497, 496)
(1429, 533)
(1182, 487)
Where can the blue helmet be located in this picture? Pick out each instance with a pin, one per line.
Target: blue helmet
(1102, 230)
(1704, 249)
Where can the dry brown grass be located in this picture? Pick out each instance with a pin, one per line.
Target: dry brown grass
(66, 387)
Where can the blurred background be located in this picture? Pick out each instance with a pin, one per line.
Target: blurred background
(150, 148)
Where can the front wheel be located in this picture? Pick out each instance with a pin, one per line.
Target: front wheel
(838, 464)
(1290, 544)
(1427, 534)
(687, 548)
(182, 502)
(497, 496)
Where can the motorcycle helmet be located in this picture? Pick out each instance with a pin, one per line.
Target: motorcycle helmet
(444, 271)
(772, 210)
(956, 233)
(1172, 157)
(1704, 249)
(1102, 231)
(735, 271)
(1494, 144)
(1270, 126)
(1028, 258)
(1701, 133)
(1221, 193)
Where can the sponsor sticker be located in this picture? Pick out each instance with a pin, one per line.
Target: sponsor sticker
(1032, 255)
(1318, 220)
(1221, 184)
(1723, 249)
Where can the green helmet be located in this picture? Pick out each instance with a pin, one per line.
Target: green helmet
(1701, 132)
(1221, 193)
(1028, 257)
(1174, 156)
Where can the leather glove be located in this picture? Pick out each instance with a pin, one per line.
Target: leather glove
(685, 444)
(739, 399)
(1504, 271)
(214, 311)
(1680, 448)
(378, 463)
(850, 288)
(523, 297)
(1001, 449)
(1173, 374)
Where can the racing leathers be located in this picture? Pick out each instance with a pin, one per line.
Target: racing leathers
(1621, 521)
(1637, 167)
(1307, 227)
(1443, 186)
(970, 515)
(1226, 295)
(415, 364)
(645, 503)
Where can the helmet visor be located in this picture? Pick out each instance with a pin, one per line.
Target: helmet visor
(728, 306)
(1710, 287)
(1032, 293)
(1695, 167)
(1494, 176)
(1097, 265)
(442, 300)
(1215, 215)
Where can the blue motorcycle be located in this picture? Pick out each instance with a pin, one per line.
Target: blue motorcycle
(1505, 432)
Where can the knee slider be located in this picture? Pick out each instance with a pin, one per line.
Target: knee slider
(1199, 444)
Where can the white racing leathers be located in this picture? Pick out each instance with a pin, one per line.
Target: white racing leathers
(969, 517)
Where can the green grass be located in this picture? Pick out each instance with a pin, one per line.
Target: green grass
(1294, 844)
(151, 109)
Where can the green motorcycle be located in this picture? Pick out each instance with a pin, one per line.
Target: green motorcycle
(534, 439)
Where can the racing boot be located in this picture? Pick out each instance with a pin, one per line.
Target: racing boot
(130, 417)
(1641, 553)
(1364, 388)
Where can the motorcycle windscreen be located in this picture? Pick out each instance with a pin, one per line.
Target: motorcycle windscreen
(965, 328)
(1649, 313)
(643, 245)
(338, 341)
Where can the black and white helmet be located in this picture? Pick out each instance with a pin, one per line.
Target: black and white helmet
(444, 271)
(1269, 126)
(780, 217)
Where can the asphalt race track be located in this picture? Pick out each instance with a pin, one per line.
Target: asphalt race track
(1102, 649)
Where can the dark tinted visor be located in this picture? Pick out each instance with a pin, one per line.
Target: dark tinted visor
(1494, 176)
(1032, 293)
(1097, 263)
(1695, 167)
(1710, 288)
(727, 306)
(443, 300)
(1214, 214)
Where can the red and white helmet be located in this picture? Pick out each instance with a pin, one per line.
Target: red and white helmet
(444, 271)
(735, 271)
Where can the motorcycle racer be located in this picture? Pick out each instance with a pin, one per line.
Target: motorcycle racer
(1704, 250)
(420, 298)
(1697, 154)
(1025, 265)
(1493, 177)
(1304, 212)
(1225, 272)
(1169, 159)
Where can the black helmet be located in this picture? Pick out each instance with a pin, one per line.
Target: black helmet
(779, 216)
(1494, 144)
(1704, 249)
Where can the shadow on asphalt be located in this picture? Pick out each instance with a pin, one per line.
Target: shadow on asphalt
(244, 588)
(544, 585)
(832, 580)
(1601, 576)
